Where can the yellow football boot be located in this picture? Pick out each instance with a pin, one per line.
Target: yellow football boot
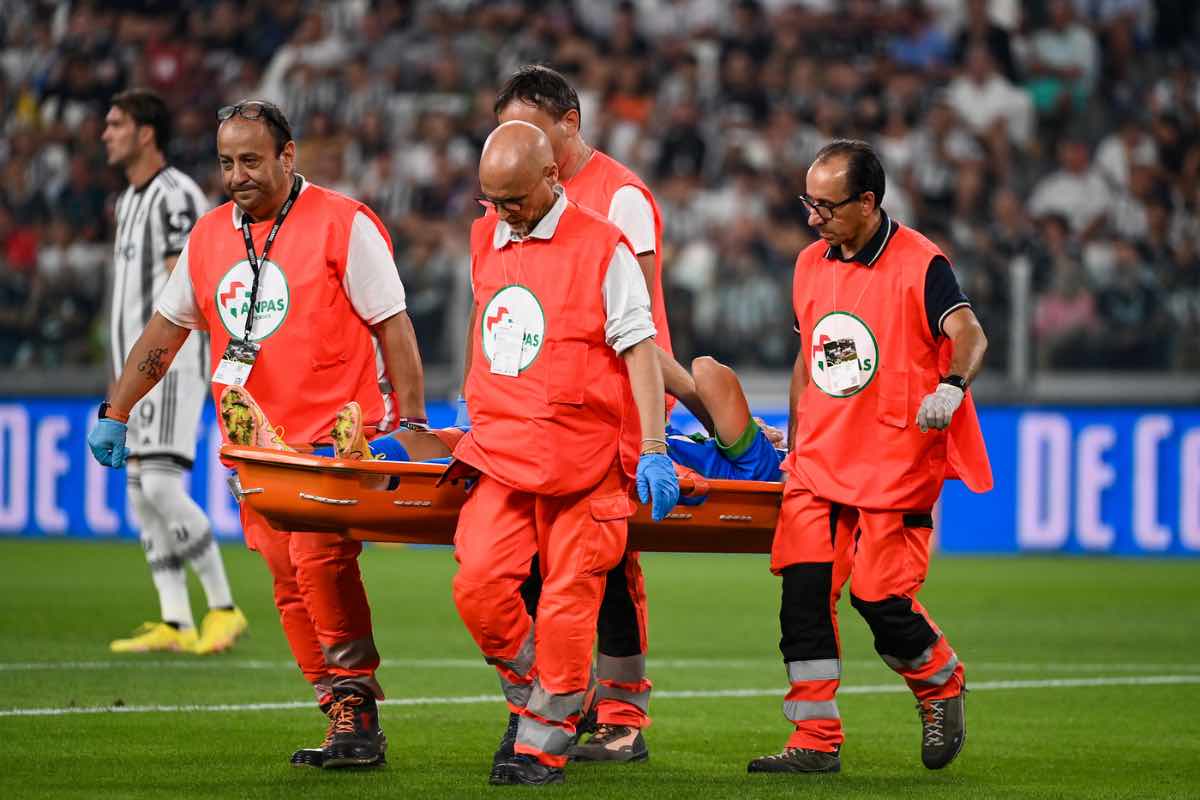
(349, 441)
(219, 630)
(153, 637)
(244, 421)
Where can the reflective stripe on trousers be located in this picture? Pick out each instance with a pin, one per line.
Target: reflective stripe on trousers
(514, 674)
(623, 678)
(547, 724)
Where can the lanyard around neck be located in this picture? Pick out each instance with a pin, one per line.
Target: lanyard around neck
(253, 258)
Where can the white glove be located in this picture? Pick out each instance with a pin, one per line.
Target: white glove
(937, 408)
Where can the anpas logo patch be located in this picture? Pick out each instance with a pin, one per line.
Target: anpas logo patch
(832, 327)
(514, 304)
(270, 307)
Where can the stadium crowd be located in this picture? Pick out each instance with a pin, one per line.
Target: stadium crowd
(1058, 139)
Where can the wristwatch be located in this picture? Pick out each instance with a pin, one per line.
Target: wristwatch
(117, 416)
(957, 381)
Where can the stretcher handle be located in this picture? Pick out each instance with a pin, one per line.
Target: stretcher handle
(691, 483)
(458, 470)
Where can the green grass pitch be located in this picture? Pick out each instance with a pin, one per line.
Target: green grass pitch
(1086, 676)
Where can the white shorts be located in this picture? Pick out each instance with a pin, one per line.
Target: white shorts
(165, 423)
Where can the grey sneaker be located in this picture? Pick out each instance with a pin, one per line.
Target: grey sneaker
(798, 759)
(611, 743)
(943, 730)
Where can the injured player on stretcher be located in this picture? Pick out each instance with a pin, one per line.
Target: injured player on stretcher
(737, 447)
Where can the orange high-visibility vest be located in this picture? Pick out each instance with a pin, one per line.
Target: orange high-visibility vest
(861, 446)
(593, 187)
(559, 425)
(317, 353)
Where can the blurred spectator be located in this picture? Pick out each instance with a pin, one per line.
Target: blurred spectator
(918, 43)
(984, 113)
(1065, 322)
(990, 104)
(1076, 191)
(1129, 146)
(1134, 316)
(979, 30)
(1063, 62)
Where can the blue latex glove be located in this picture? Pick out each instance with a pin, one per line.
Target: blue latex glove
(693, 499)
(107, 441)
(656, 479)
(462, 419)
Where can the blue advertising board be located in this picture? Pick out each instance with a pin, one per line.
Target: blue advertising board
(1122, 481)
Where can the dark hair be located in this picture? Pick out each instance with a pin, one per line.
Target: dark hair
(540, 86)
(146, 108)
(271, 116)
(278, 125)
(864, 172)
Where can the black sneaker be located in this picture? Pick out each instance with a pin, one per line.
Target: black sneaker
(508, 742)
(356, 740)
(315, 756)
(943, 730)
(611, 743)
(798, 759)
(525, 770)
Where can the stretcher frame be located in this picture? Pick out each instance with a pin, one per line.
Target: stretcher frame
(405, 502)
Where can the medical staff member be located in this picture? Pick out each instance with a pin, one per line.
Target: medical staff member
(297, 287)
(566, 400)
(541, 96)
(880, 418)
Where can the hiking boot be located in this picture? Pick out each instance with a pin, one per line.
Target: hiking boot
(244, 422)
(315, 756)
(798, 759)
(611, 743)
(508, 742)
(356, 740)
(943, 730)
(525, 770)
(348, 438)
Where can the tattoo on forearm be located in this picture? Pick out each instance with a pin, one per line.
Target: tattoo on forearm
(152, 366)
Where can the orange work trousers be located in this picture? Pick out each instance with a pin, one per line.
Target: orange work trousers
(820, 544)
(578, 538)
(322, 604)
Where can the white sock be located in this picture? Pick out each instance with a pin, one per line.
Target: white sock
(163, 486)
(166, 569)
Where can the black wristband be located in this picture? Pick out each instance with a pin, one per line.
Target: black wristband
(957, 381)
(106, 408)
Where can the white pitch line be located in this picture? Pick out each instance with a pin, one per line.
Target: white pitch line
(684, 694)
(220, 663)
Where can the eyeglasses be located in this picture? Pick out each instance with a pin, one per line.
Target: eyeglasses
(251, 110)
(510, 204)
(825, 209)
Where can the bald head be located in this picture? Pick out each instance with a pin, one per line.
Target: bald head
(514, 155)
(517, 174)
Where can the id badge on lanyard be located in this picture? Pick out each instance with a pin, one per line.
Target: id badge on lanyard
(240, 354)
(236, 363)
(841, 361)
(506, 357)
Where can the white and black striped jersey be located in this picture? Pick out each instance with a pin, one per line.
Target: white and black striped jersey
(153, 222)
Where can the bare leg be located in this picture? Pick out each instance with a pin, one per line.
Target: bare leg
(720, 391)
(679, 384)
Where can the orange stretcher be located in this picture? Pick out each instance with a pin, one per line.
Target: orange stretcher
(403, 501)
